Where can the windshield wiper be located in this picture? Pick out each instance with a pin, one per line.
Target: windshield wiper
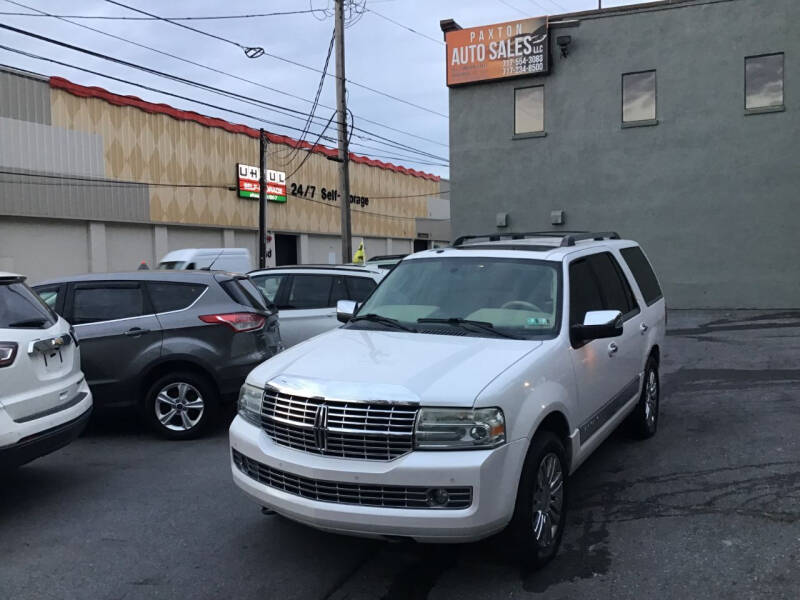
(29, 323)
(384, 320)
(482, 325)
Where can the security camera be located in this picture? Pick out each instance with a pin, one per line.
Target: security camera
(563, 42)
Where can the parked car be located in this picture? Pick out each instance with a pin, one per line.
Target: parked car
(386, 262)
(306, 295)
(44, 400)
(456, 401)
(235, 260)
(174, 344)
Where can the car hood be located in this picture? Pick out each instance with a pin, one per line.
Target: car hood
(352, 364)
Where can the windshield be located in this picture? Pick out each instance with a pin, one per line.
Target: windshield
(518, 297)
(172, 265)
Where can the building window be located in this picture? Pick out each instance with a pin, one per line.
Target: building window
(529, 110)
(763, 82)
(639, 97)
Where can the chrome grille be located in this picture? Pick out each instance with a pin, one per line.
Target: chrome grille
(388, 496)
(371, 431)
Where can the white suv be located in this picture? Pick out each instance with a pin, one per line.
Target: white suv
(306, 295)
(44, 400)
(462, 393)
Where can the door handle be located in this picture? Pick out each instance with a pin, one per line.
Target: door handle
(612, 349)
(136, 331)
(643, 327)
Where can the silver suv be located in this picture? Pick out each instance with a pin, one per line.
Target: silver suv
(174, 344)
(457, 399)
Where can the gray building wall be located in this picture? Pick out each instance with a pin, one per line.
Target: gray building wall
(710, 193)
(24, 96)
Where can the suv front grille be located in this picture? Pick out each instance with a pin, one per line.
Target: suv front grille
(387, 496)
(371, 431)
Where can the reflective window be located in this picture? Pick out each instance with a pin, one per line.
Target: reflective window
(268, 285)
(21, 308)
(643, 273)
(167, 296)
(763, 81)
(309, 291)
(529, 110)
(639, 97)
(360, 288)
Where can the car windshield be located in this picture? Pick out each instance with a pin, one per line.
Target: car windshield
(172, 265)
(515, 297)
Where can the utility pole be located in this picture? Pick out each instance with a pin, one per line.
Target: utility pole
(262, 199)
(344, 153)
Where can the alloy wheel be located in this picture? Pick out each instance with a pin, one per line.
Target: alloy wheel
(548, 500)
(179, 406)
(651, 399)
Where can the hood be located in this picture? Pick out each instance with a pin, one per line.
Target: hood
(352, 364)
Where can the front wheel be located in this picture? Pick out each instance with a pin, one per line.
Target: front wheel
(541, 509)
(180, 406)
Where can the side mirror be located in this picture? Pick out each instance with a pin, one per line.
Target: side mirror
(345, 309)
(597, 324)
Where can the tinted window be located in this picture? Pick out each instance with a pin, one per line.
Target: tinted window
(168, 296)
(49, 296)
(360, 287)
(763, 81)
(106, 303)
(244, 292)
(614, 288)
(309, 291)
(643, 273)
(338, 291)
(20, 307)
(529, 110)
(584, 291)
(639, 97)
(268, 285)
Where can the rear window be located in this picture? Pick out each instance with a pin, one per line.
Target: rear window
(168, 296)
(309, 291)
(244, 292)
(21, 307)
(268, 285)
(643, 273)
(101, 303)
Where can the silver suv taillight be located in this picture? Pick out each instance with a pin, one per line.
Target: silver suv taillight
(8, 352)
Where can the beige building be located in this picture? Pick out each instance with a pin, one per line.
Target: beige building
(95, 181)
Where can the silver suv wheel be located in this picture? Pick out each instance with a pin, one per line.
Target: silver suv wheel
(179, 406)
(548, 500)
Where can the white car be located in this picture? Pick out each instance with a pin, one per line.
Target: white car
(44, 400)
(462, 393)
(235, 260)
(306, 295)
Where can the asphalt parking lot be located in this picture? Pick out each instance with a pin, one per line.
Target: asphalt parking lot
(708, 508)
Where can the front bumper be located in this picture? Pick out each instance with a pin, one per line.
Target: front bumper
(492, 474)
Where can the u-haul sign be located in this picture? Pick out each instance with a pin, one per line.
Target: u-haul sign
(249, 183)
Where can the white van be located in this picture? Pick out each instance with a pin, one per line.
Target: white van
(236, 260)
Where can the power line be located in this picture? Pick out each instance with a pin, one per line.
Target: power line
(256, 52)
(206, 18)
(249, 100)
(406, 27)
(503, 2)
(219, 71)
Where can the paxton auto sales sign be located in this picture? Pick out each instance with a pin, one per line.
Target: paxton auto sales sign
(497, 51)
(249, 183)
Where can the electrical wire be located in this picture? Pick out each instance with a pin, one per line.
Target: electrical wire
(380, 139)
(206, 18)
(257, 51)
(406, 27)
(218, 71)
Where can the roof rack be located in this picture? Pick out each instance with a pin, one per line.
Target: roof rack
(568, 238)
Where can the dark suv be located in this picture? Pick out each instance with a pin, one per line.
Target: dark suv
(174, 344)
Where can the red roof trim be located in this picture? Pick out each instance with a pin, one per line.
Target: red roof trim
(186, 115)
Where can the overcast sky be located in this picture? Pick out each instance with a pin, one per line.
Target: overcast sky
(380, 55)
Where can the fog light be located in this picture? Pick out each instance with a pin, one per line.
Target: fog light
(438, 497)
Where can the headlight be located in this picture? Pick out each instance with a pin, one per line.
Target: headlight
(250, 403)
(454, 428)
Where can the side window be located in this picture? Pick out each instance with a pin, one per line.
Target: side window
(106, 302)
(360, 288)
(52, 296)
(338, 291)
(167, 296)
(243, 291)
(268, 285)
(616, 292)
(584, 292)
(643, 273)
(309, 291)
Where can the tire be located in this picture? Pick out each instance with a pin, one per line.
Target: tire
(643, 421)
(181, 405)
(540, 512)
